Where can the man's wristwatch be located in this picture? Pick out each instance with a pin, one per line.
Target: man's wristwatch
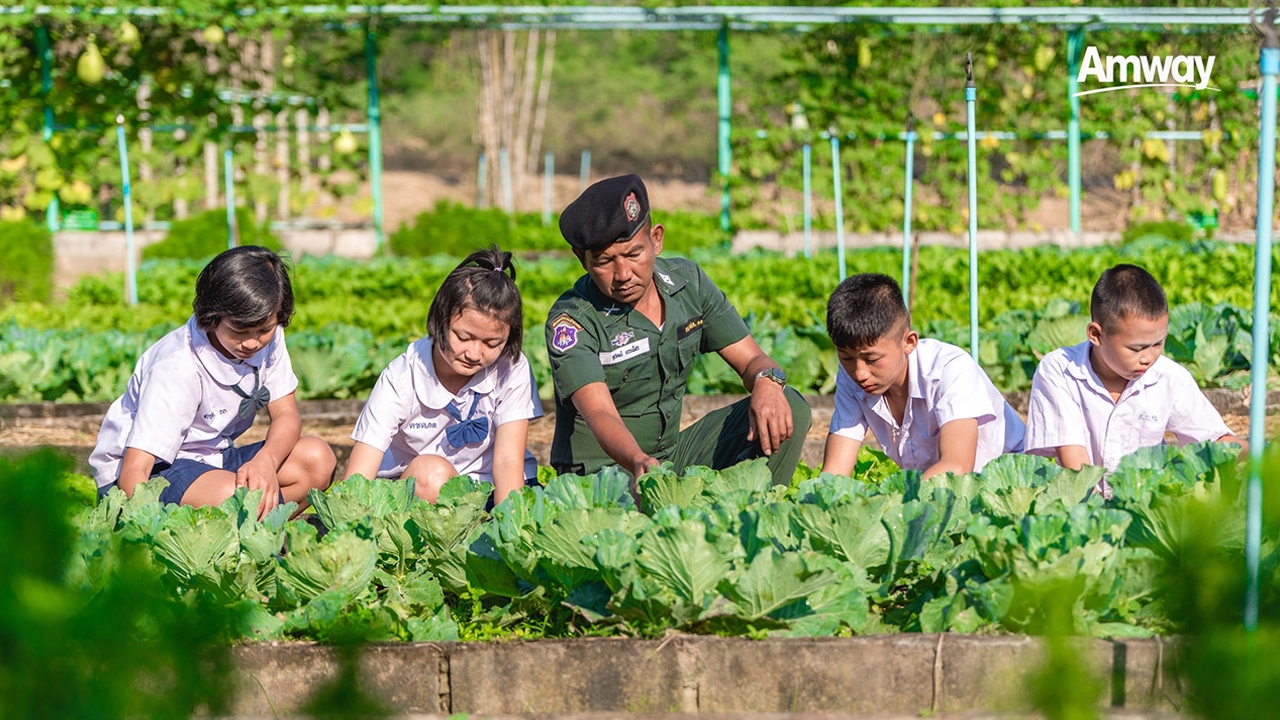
(774, 374)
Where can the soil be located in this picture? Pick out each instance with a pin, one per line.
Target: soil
(82, 433)
(408, 193)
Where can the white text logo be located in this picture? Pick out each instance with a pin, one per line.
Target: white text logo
(1190, 71)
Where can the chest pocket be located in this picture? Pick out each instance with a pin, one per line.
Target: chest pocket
(633, 384)
(689, 341)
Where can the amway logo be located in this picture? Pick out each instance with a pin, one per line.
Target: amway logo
(1145, 71)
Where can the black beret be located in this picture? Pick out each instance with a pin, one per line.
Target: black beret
(608, 211)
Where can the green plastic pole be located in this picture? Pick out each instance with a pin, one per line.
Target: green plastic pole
(906, 211)
(130, 273)
(835, 173)
(970, 99)
(51, 213)
(229, 182)
(375, 133)
(808, 201)
(1269, 63)
(722, 94)
(1075, 46)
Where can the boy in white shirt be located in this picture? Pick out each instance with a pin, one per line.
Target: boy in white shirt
(928, 403)
(1094, 403)
(198, 389)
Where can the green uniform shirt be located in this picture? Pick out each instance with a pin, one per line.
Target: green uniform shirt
(593, 338)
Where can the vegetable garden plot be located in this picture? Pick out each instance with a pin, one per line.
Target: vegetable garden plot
(355, 317)
(714, 552)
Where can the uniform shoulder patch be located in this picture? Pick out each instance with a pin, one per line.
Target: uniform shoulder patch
(564, 332)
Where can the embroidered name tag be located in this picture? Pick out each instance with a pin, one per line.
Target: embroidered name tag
(625, 352)
(422, 425)
(689, 328)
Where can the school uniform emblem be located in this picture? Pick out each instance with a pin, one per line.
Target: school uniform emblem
(632, 207)
(622, 339)
(564, 332)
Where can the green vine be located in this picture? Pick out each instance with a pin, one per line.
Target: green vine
(862, 80)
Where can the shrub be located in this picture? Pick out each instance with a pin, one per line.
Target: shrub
(1172, 229)
(205, 235)
(453, 229)
(26, 262)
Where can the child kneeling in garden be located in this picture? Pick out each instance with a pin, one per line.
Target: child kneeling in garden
(1095, 402)
(198, 389)
(459, 401)
(927, 402)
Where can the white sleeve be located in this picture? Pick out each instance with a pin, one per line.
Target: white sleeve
(1055, 417)
(168, 399)
(961, 392)
(390, 405)
(848, 419)
(1192, 418)
(517, 398)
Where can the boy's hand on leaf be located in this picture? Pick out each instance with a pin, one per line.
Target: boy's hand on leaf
(260, 474)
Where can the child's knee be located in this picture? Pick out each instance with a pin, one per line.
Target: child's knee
(316, 459)
(430, 473)
(211, 488)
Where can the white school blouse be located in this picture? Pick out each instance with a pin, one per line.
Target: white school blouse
(180, 403)
(944, 384)
(405, 415)
(1070, 406)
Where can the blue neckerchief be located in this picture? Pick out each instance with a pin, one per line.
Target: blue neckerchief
(254, 401)
(466, 432)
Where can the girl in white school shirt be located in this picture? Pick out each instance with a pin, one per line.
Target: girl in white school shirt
(459, 401)
(197, 390)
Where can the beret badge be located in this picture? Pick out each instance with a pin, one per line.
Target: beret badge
(632, 207)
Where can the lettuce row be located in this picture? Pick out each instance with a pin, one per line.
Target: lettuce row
(712, 552)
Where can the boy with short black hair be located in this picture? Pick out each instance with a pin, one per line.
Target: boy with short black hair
(1095, 402)
(927, 402)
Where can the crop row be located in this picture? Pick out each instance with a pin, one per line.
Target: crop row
(714, 552)
(354, 317)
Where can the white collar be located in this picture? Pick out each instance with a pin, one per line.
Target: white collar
(222, 369)
(1081, 368)
(427, 386)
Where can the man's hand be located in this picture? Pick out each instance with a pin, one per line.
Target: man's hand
(770, 416)
(260, 474)
(638, 468)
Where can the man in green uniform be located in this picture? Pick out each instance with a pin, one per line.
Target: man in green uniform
(623, 340)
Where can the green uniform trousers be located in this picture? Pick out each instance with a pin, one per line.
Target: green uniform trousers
(719, 439)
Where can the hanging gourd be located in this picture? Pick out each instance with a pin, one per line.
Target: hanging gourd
(128, 35)
(91, 68)
(346, 143)
(214, 35)
(1219, 185)
(864, 53)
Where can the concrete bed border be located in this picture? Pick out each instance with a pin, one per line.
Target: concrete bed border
(906, 673)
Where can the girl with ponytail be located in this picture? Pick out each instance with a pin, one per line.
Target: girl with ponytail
(459, 401)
